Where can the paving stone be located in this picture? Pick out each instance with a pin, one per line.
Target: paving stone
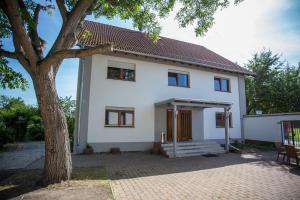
(229, 176)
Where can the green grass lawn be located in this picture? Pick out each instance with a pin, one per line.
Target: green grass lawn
(29, 182)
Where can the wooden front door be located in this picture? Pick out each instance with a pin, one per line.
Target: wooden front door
(184, 125)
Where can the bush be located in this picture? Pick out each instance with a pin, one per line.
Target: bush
(6, 134)
(35, 129)
(71, 125)
(21, 122)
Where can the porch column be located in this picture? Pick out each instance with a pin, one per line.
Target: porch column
(226, 116)
(174, 130)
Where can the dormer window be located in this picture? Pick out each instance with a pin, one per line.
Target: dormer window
(121, 71)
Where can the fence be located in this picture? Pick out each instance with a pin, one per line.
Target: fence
(290, 132)
(272, 127)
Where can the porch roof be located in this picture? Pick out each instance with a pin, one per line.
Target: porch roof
(194, 103)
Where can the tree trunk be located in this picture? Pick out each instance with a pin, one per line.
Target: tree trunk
(58, 163)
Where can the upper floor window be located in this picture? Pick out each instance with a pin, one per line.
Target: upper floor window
(178, 79)
(121, 71)
(222, 84)
(119, 117)
(220, 120)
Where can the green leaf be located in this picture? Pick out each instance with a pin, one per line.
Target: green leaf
(11, 79)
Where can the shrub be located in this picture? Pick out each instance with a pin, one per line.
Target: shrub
(35, 129)
(22, 122)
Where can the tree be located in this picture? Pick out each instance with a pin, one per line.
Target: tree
(259, 87)
(275, 87)
(19, 21)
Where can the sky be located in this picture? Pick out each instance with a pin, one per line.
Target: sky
(239, 32)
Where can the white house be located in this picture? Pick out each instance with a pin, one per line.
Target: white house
(126, 98)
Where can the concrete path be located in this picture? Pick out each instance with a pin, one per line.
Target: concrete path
(25, 154)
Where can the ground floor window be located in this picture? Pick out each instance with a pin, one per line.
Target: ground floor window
(220, 120)
(119, 117)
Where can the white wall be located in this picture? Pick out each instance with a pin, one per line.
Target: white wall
(266, 127)
(160, 122)
(197, 125)
(152, 86)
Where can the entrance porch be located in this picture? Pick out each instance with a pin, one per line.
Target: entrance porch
(179, 125)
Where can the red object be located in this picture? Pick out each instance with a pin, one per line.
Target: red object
(138, 42)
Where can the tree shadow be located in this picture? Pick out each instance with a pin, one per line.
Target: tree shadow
(138, 164)
(134, 165)
(21, 182)
(295, 170)
(26, 181)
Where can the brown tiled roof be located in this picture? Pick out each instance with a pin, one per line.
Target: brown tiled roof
(136, 42)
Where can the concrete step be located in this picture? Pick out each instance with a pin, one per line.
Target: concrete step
(190, 143)
(200, 150)
(180, 155)
(194, 147)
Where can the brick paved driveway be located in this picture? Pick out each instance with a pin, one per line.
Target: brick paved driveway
(229, 176)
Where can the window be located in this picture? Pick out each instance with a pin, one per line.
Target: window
(222, 84)
(178, 79)
(121, 71)
(220, 120)
(119, 118)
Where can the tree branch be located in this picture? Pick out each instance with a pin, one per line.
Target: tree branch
(76, 16)
(8, 54)
(62, 9)
(77, 53)
(36, 17)
(11, 9)
(20, 55)
(36, 41)
(25, 12)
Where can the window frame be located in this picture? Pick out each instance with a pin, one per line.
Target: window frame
(121, 67)
(121, 74)
(120, 124)
(220, 83)
(178, 73)
(223, 126)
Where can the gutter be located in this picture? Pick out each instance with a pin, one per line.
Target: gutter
(181, 61)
